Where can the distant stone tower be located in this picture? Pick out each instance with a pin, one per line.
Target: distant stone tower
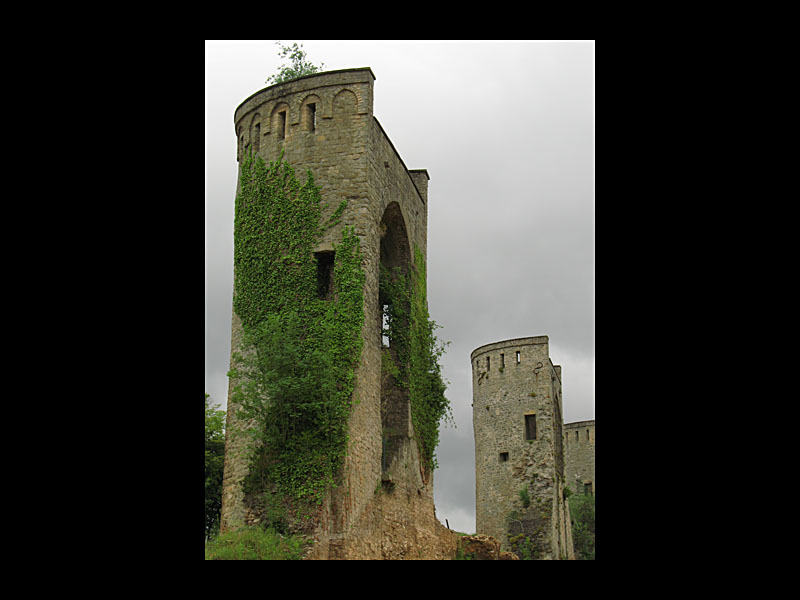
(324, 122)
(579, 468)
(519, 452)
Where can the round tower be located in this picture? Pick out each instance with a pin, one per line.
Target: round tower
(323, 123)
(579, 445)
(519, 451)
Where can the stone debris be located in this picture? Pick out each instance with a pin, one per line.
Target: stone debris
(484, 547)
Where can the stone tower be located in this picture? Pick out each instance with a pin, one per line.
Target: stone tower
(519, 451)
(383, 507)
(579, 467)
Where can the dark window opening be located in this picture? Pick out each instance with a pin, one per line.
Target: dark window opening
(282, 125)
(502, 361)
(530, 427)
(503, 456)
(488, 364)
(587, 489)
(587, 435)
(312, 117)
(324, 274)
(517, 356)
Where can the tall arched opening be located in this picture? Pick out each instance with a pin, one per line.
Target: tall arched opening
(395, 260)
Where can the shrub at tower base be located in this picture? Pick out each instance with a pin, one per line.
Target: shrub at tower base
(295, 368)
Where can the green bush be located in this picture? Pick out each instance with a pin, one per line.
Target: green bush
(254, 543)
(581, 510)
(524, 496)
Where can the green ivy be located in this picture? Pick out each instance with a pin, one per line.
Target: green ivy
(418, 352)
(295, 374)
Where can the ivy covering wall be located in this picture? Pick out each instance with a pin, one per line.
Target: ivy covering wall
(418, 352)
(295, 372)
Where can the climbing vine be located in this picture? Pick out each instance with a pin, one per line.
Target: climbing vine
(418, 351)
(295, 373)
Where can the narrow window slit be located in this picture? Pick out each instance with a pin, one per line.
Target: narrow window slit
(312, 117)
(385, 325)
(324, 274)
(530, 427)
(282, 125)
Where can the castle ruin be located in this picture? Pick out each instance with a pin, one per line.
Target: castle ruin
(579, 467)
(519, 449)
(383, 507)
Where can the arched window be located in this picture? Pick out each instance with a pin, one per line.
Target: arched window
(255, 133)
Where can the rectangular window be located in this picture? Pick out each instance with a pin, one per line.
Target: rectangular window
(487, 363)
(502, 361)
(587, 489)
(517, 356)
(282, 125)
(324, 274)
(530, 427)
(503, 456)
(587, 435)
(312, 117)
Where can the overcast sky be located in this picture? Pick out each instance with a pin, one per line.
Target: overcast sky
(505, 130)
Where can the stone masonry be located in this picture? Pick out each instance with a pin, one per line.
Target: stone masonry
(579, 467)
(517, 408)
(324, 122)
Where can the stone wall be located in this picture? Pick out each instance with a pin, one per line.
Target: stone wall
(516, 388)
(579, 444)
(324, 123)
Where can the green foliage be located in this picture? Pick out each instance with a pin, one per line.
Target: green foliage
(523, 546)
(418, 351)
(254, 543)
(215, 458)
(581, 510)
(524, 496)
(299, 66)
(275, 229)
(295, 375)
(461, 555)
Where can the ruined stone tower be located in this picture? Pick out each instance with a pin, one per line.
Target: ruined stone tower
(383, 507)
(579, 468)
(519, 448)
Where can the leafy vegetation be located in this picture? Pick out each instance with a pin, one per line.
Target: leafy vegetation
(524, 496)
(295, 375)
(299, 66)
(215, 457)
(418, 351)
(254, 543)
(581, 509)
